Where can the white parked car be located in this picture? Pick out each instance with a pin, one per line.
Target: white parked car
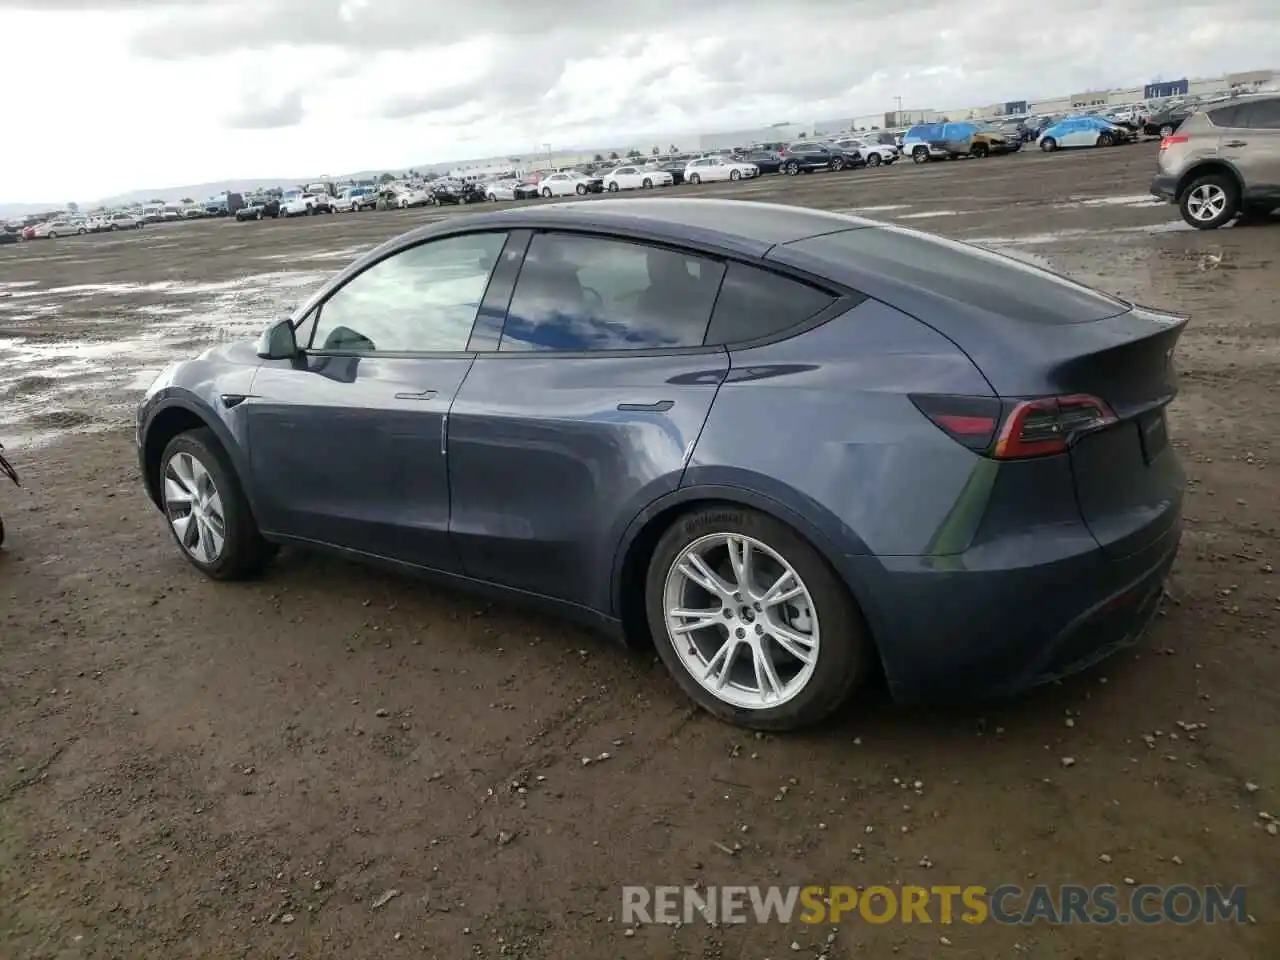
(636, 178)
(406, 197)
(52, 229)
(872, 152)
(299, 204)
(707, 169)
(121, 221)
(565, 184)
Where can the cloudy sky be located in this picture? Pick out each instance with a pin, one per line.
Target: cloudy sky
(104, 96)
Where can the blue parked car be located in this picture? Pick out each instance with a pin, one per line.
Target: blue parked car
(1083, 132)
(787, 447)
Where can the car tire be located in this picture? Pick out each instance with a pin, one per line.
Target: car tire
(841, 648)
(695, 179)
(920, 155)
(1048, 144)
(837, 164)
(613, 187)
(791, 168)
(1210, 201)
(580, 189)
(546, 193)
(52, 235)
(979, 151)
(735, 174)
(1166, 130)
(493, 198)
(874, 160)
(81, 232)
(258, 215)
(646, 184)
(1105, 140)
(195, 465)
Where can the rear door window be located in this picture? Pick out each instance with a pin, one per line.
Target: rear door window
(754, 304)
(965, 274)
(580, 293)
(1259, 115)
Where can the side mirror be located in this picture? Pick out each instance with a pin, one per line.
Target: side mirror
(278, 341)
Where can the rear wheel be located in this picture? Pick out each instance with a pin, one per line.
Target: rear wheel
(695, 179)
(208, 514)
(1210, 201)
(1166, 130)
(546, 192)
(752, 622)
(791, 168)
(613, 187)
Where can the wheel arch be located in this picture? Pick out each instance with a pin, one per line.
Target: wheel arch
(642, 535)
(1215, 165)
(176, 416)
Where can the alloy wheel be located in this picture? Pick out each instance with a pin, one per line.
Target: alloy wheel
(194, 508)
(1206, 202)
(741, 620)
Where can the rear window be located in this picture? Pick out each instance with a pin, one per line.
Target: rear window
(968, 275)
(754, 304)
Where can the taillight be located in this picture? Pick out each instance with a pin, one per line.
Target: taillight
(1015, 429)
(1169, 141)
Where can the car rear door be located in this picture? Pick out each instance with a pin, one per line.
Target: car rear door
(347, 442)
(580, 410)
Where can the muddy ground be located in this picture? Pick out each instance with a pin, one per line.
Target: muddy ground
(194, 769)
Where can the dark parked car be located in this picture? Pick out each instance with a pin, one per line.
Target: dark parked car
(595, 407)
(808, 156)
(673, 167)
(458, 192)
(9, 236)
(1166, 122)
(259, 208)
(767, 161)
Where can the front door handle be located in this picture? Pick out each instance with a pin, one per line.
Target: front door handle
(658, 406)
(1236, 143)
(423, 395)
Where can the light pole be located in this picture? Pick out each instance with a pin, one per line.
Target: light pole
(547, 148)
(898, 115)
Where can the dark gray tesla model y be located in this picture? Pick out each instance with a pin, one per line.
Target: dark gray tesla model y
(789, 446)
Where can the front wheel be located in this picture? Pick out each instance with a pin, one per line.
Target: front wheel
(647, 184)
(837, 164)
(735, 174)
(1048, 144)
(208, 514)
(1105, 140)
(1210, 201)
(874, 160)
(920, 155)
(752, 622)
(581, 189)
(979, 151)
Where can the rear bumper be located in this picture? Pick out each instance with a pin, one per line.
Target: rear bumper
(1165, 187)
(970, 627)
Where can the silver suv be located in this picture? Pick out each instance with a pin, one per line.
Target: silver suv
(1223, 161)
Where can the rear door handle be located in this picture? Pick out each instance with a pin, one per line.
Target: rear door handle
(423, 395)
(1236, 143)
(659, 406)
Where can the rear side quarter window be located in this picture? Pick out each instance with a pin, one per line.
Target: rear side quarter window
(755, 304)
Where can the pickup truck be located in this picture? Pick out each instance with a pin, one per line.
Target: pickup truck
(300, 204)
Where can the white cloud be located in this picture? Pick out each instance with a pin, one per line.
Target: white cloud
(187, 91)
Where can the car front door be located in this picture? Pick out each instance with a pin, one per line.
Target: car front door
(347, 441)
(585, 413)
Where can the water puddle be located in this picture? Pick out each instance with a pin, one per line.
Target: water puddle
(76, 356)
(924, 214)
(1131, 200)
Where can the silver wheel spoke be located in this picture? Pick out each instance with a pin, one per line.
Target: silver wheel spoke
(785, 588)
(740, 560)
(718, 667)
(696, 569)
(697, 619)
(175, 493)
(767, 680)
(796, 644)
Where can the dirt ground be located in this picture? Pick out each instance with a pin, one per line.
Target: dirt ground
(196, 769)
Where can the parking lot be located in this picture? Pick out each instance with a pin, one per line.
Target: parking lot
(248, 770)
